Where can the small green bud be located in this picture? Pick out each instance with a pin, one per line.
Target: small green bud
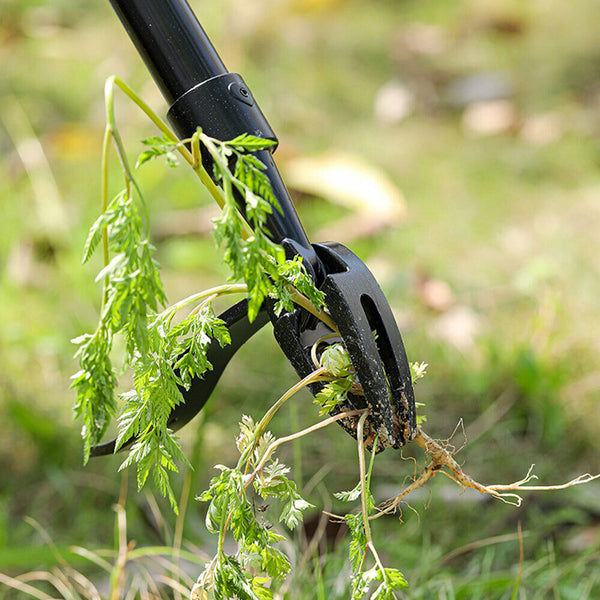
(336, 360)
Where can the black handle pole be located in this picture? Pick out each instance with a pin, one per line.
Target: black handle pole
(201, 92)
(171, 42)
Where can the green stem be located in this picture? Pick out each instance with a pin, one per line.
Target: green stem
(378, 562)
(114, 80)
(193, 158)
(371, 462)
(361, 466)
(219, 290)
(520, 571)
(228, 191)
(299, 434)
(209, 144)
(315, 347)
(262, 425)
(365, 484)
(202, 304)
(106, 255)
(117, 573)
(111, 123)
(179, 524)
(215, 191)
(297, 443)
(221, 542)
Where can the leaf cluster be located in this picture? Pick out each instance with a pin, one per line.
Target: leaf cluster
(159, 146)
(165, 355)
(132, 290)
(230, 581)
(390, 581)
(250, 254)
(417, 372)
(333, 395)
(336, 360)
(232, 507)
(177, 354)
(95, 383)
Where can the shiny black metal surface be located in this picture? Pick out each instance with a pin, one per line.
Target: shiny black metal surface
(172, 43)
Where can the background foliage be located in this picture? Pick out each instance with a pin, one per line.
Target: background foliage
(484, 115)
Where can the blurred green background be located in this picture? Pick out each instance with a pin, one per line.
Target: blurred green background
(473, 132)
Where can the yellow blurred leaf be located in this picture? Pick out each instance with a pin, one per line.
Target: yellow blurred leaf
(353, 183)
(313, 5)
(73, 142)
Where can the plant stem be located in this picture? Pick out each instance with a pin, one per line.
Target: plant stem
(260, 428)
(365, 484)
(361, 466)
(307, 305)
(377, 561)
(193, 158)
(298, 434)
(104, 187)
(111, 123)
(118, 572)
(219, 290)
(105, 150)
(178, 537)
(315, 347)
(114, 80)
(521, 557)
(297, 444)
(214, 190)
(222, 530)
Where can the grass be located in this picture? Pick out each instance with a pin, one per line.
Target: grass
(509, 225)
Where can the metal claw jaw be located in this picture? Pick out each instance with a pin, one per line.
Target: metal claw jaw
(369, 331)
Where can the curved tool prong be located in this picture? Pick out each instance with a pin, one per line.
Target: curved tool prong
(241, 330)
(369, 331)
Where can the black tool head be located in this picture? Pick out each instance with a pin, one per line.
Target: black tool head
(368, 330)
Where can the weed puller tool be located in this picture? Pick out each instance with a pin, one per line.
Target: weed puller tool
(202, 93)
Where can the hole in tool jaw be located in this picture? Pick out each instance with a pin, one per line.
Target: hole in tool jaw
(384, 346)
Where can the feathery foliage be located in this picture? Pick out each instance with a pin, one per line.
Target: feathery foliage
(163, 350)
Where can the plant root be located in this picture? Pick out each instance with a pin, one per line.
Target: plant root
(442, 461)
